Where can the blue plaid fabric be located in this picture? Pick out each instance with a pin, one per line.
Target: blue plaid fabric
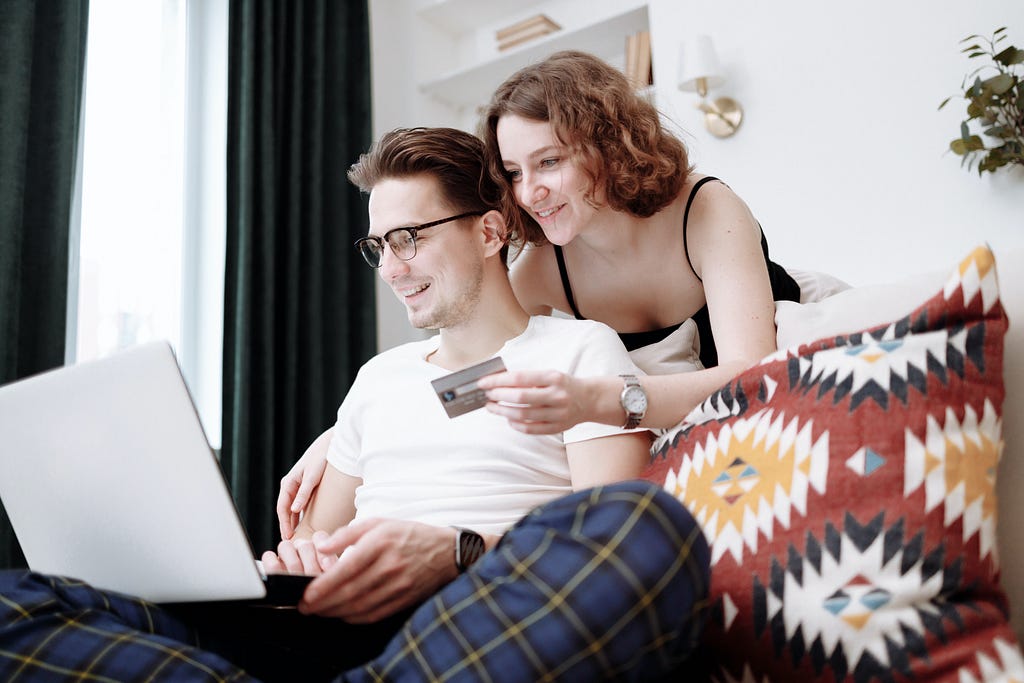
(605, 584)
(55, 629)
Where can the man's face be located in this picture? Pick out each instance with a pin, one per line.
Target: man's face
(440, 286)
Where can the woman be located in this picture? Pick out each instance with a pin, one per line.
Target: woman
(621, 230)
(617, 228)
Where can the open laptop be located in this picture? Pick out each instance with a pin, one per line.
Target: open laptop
(107, 476)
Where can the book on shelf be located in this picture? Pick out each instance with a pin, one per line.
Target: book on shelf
(525, 30)
(638, 68)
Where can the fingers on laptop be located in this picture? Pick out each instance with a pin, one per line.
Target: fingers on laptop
(293, 557)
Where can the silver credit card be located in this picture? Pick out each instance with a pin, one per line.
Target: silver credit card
(459, 392)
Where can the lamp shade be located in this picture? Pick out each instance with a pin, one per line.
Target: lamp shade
(698, 59)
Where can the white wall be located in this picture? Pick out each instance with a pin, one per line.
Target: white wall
(841, 155)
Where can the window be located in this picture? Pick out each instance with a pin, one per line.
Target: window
(151, 242)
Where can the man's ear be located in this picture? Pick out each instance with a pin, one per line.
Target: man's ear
(495, 232)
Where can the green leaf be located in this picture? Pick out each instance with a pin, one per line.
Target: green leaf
(999, 30)
(999, 84)
(971, 37)
(944, 103)
(1010, 56)
(965, 132)
(998, 132)
(967, 145)
(991, 162)
(975, 109)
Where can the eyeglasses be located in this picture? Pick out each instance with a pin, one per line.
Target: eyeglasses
(401, 240)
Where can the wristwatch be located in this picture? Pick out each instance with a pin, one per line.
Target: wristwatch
(469, 546)
(633, 400)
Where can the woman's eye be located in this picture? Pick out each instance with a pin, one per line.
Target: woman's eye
(513, 174)
(548, 163)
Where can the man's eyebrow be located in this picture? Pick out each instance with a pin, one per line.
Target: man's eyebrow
(406, 224)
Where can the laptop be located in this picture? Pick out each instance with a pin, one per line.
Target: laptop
(107, 476)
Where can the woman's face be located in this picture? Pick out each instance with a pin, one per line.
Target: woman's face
(546, 181)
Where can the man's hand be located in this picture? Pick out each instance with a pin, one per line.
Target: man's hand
(297, 557)
(298, 485)
(385, 565)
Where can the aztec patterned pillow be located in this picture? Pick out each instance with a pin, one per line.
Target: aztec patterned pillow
(847, 491)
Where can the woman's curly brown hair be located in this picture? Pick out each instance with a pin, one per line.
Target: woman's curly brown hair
(615, 135)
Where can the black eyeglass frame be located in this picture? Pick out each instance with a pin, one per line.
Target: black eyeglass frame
(413, 231)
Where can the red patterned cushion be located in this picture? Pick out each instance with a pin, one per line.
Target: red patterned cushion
(847, 490)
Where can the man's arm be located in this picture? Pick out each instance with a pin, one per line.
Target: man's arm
(608, 459)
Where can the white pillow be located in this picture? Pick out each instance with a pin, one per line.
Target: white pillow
(815, 286)
(853, 309)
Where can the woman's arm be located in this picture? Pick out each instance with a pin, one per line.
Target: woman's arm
(724, 244)
(298, 485)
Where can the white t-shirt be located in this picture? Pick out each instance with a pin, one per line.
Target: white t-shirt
(473, 470)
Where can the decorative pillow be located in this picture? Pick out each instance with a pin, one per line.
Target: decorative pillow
(847, 490)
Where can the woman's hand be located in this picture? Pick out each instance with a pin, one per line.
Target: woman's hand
(541, 401)
(298, 485)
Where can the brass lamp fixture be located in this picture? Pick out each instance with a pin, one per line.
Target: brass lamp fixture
(700, 71)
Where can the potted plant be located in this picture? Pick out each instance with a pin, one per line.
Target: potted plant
(995, 99)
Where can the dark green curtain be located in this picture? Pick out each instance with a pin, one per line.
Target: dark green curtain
(42, 59)
(299, 308)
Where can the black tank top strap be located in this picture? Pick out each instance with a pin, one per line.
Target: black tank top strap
(560, 258)
(686, 215)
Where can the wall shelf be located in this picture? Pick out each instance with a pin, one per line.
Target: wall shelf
(459, 16)
(472, 85)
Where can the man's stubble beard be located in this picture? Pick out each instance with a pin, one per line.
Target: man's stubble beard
(457, 310)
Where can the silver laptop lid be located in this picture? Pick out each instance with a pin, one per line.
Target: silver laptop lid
(107, 476)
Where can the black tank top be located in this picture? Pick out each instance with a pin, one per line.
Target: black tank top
(784, 288)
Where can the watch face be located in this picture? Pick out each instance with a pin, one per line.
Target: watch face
(471, 547)
(634, 400)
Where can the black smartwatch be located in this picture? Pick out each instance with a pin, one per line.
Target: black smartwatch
(469, 546)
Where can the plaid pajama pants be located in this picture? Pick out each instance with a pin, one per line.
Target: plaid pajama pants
(604, 584)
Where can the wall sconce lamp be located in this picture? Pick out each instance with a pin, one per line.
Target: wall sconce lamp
(699, 71)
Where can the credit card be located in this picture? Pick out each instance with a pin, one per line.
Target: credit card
(459, 393)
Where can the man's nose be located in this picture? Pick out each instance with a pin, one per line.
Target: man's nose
(391, 266)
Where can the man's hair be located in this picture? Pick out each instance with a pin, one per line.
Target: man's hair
(454, 158)
(614, 134)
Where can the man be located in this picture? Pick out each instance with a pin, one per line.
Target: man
(604, 583)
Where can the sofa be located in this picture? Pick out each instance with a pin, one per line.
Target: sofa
(849, 490)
